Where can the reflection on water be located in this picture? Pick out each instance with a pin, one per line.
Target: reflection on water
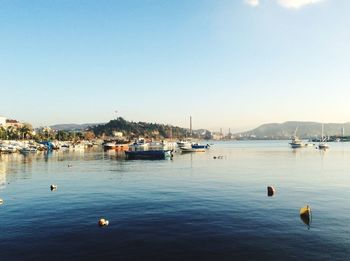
(193, 207)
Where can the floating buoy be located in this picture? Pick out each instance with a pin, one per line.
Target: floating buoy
(1, 201)
(305, 215)
(103, 222)
(270, 191)
(53, 187)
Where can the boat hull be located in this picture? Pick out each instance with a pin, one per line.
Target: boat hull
(184, 150)
(117, 147)
(323, 146)
(195, 148)
(149, 154)
(296, 145)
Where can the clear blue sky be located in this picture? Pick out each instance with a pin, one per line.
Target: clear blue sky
(228, 63)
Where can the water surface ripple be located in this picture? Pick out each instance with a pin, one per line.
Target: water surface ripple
(191, 208)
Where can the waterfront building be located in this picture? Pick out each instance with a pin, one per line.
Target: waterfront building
(13, 123)
(217, 135)
(2, 121)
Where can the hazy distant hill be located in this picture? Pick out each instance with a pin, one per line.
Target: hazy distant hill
(305, 129)
(73, 127)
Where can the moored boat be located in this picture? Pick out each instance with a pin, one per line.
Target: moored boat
(116, 146)
(323, 145)
(195, 148)
(28, 149)
(297, 143)
(139, 145)
(149, 154)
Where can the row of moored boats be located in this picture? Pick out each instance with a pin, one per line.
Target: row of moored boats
(140, 149)
(28, 146)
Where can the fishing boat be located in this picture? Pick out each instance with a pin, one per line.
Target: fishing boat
(149, 154)
(297, 143)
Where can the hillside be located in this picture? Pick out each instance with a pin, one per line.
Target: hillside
(305, 130)
(148, 130)
(73, 126)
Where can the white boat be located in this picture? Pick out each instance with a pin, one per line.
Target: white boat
(28, 149)
(195, 148)
(184, 149)
(139, 145)
(297, 143)
(184, 144)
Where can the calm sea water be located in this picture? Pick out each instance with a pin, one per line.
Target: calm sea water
(190, 208)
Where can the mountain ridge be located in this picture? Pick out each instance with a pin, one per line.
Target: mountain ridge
(305, 129)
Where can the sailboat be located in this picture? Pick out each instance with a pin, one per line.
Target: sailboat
(322, 145)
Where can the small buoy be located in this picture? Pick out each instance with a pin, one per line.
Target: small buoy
(53, 187)
(103, 222)
(305, 215)
(1, 201)
(270, 191)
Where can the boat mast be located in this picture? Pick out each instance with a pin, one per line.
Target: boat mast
(191, 126)
(296, 130)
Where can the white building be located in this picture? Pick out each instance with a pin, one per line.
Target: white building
(3, 121)
(217, 136)
(118, 134)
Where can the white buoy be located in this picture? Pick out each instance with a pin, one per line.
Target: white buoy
(1, 201)
(53, 187)
(103, 222)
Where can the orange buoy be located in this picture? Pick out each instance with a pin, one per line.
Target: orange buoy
(270, 191)
(103, 222)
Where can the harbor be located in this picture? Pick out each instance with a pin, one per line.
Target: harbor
(173, 207)
(174, 130)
